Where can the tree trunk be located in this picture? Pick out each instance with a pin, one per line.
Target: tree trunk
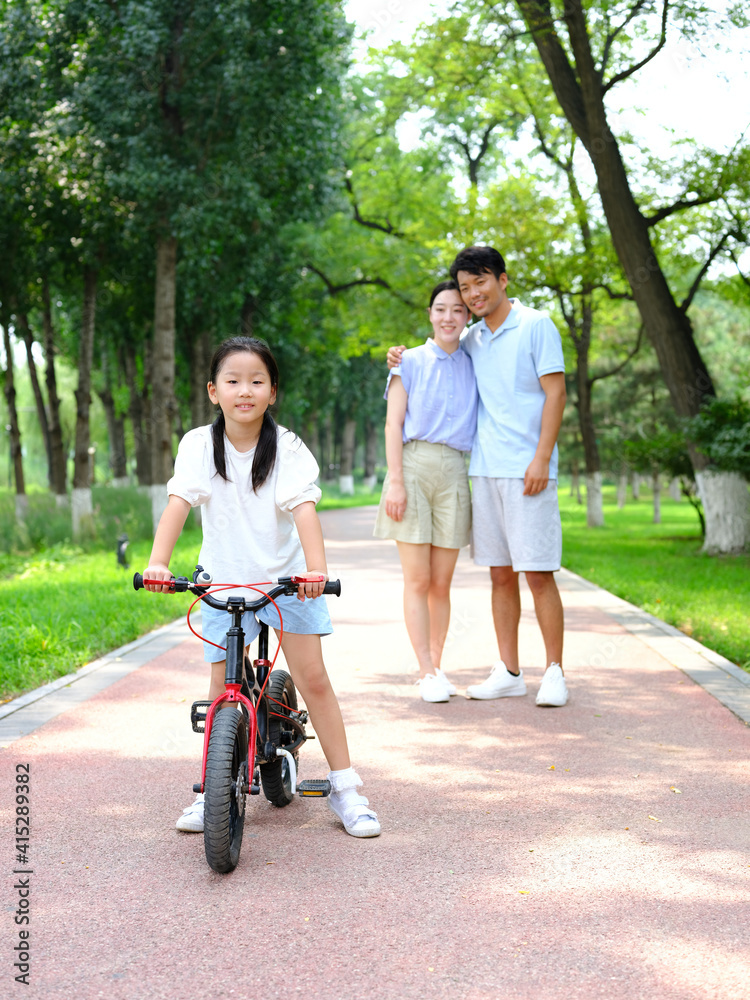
(82, 506)
(726, 506)
(327, 465)
(635, 485)
(137, 408)
(594, 507)
(622, 490)
(41, 410)
(348, 443)
(312, 437)
(58, 455)
(371, 455)
(656, 489)
(674, 489)
(116, 433)
(163, 374)
(201, 407)
(579, 90)
(14, 433)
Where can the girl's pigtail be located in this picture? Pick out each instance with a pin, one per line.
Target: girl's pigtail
(217, 434)
(265, 452)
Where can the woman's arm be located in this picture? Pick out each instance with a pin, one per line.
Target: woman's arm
(171, 524)
(311, 536)
(395, 498)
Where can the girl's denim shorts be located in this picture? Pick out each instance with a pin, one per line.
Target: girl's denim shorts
(308, 617)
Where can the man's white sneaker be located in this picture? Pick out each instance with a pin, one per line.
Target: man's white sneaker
(553, 691)
(500, 684)
(451, 687)
(433, 688)
(191, 820)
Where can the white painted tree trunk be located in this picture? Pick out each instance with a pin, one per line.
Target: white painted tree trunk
(62, 500)
(726, 507)
(22, 507)
(121, 481)
(346, 486)
(594, 508)
(622, 490)
(636, 485)
(370, 482)
(575, 485)
(656, 487)
(82, 512)
(159, 501)
(674, 489)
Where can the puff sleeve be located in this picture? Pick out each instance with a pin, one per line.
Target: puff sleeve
(192, 468)
(298, 470)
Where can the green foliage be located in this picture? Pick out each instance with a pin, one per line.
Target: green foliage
(65, 607)
(722, 432)
(116, 511)
(660, 568)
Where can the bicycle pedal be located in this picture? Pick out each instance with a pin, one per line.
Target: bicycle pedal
(198, 712)
(314, 788)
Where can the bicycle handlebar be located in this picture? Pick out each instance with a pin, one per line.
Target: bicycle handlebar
(285, 585)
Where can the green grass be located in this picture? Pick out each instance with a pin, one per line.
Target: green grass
(660, 568)
(66, 607)
(333, 500)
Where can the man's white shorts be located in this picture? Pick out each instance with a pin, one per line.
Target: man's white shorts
(510, 529)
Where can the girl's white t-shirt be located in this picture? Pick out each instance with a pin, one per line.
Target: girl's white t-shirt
(247, 537)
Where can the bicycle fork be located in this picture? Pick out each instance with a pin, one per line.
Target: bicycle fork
(231, 695)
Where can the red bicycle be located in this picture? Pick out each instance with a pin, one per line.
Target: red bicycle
(261, 712)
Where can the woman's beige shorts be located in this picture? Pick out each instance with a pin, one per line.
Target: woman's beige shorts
(438, 501)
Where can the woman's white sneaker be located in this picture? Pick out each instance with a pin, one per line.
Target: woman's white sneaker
(451, 687)
(433, 688)
(500, 684)
(553, 691)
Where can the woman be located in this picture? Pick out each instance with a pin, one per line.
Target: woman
(426, 504)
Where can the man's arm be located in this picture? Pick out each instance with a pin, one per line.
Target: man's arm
(393, 358)
(537, 474)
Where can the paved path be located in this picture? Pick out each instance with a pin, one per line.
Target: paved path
(527, 854)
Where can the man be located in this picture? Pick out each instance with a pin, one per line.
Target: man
(518, 363)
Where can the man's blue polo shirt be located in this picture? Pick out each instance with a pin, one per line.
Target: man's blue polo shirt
(508, 364)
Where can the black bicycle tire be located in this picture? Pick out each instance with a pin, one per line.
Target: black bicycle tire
(224, 818)
(274, 776)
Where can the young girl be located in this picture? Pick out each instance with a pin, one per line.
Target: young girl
(426, 504)
(256, 483)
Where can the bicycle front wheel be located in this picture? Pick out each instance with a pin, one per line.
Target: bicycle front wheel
(275, 776)
(226, 780)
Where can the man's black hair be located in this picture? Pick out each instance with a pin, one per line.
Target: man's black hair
(478, 260)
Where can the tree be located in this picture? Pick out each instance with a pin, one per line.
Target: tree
(586, 52)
